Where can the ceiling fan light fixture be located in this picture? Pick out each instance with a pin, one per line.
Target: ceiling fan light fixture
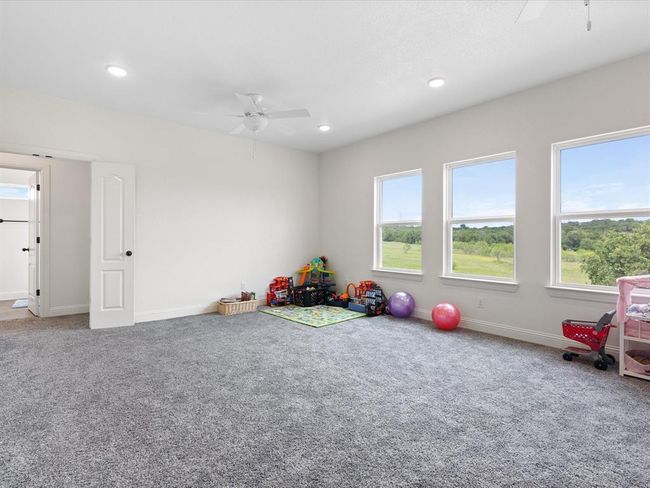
(436, 82)
(256, 122)
(324, 127)
(116, 71)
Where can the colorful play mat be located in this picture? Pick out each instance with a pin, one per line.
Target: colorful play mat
(318, 316)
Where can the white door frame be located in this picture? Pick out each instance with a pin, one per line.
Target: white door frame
(41, 166)
(23, 158)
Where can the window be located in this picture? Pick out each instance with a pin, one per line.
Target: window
(398, 222)
(480, 218)
(14, 192)
(601, 208)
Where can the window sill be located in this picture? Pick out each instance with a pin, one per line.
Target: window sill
(508, 286)
(590, 295)
(399, 274)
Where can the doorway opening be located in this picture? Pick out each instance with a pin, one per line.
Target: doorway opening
(19, 235)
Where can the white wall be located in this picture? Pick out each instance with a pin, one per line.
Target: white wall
(607, 99)
(69, 236)
(13, 237)
(209, 216)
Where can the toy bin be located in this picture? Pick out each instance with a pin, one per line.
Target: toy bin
(237, 307)
(309, 296)
(637, 361)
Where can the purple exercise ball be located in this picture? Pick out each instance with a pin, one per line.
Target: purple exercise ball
(401, 304)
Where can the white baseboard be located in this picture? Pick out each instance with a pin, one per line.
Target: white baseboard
(12, 295)
(172, 313)
(109, 326)
(67, 310)
(557, 341)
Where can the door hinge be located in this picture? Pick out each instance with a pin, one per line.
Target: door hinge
(38, 293)
(38, 187)
(38, 240)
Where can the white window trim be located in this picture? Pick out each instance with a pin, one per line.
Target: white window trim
(449, 221)
(379, 222)
(556, 210)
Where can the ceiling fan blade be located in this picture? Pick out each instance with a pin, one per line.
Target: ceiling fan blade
(531, 10)
(289, 114)
(249, 101)
(238, 130)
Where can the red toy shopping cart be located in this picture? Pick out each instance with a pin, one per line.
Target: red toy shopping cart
(592, 334)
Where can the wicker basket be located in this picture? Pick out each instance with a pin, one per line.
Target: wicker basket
(235, 308)
(635, 366)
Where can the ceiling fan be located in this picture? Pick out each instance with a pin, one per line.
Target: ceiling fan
(533, 9)
(256, 117)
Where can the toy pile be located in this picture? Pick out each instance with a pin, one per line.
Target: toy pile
(366, 297)
(315, 283)
(315, 287)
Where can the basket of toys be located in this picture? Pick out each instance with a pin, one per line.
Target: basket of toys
(233, 306)
(309, 295)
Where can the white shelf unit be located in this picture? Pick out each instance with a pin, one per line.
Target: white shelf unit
(630, 324)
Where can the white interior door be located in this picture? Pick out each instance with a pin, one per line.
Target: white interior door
(112, 232)
(34, 224)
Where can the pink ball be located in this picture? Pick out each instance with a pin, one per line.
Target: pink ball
(446, 316)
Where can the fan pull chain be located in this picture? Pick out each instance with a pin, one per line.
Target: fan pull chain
(588, 5)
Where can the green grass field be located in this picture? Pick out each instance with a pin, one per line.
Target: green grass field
(395, 257)
(471, 264)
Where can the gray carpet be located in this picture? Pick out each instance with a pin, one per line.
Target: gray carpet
(257, 401)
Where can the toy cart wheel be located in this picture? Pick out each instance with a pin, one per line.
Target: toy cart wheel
(567, 356)
(611, 359)
(600, 364)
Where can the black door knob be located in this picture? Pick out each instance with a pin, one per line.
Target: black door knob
(129, 253)
(25, 249)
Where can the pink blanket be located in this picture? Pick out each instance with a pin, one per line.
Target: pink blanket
(625, 286)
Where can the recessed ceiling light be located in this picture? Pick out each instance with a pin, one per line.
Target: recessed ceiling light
(116, 71)
(436, 82)
(324, 128)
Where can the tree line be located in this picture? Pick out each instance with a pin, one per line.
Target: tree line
(605, 248)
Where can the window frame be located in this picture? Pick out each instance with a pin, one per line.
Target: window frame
(557, 216)
(379, 222)
(449, 221)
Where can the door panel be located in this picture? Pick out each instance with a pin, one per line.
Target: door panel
(112, 239)
(113, 289)
(33, 282)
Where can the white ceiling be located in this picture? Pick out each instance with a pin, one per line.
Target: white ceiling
(361, 66)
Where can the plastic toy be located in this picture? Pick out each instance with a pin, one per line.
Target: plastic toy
(366, 297)
(375, 301)
(341, 300)
(445, 316)
(359, 291)
(317, 272)
(401, 305)
(592, 334)
(279, 291)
